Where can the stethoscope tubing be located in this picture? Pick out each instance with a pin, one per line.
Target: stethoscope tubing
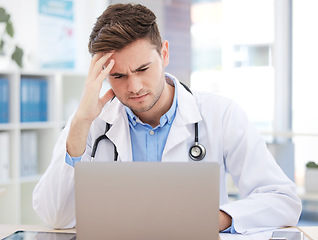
(100, 138)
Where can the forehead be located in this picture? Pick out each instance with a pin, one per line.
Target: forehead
(135, 54)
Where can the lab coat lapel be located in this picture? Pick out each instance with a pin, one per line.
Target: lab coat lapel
(187, 113)
(115, 114)
(178, 134)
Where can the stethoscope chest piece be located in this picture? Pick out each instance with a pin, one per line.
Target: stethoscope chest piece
(197, 152)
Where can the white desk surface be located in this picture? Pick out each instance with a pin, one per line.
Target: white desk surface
(311, 232)
(7, 229)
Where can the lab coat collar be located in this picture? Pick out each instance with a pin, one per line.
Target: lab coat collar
(111, 111)
(187, 105)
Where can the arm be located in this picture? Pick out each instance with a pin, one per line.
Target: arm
(53, 196)
(225, 221)
(90, 105)
(267, 197)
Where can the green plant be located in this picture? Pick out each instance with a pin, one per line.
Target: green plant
(8, 35)
(312, 164)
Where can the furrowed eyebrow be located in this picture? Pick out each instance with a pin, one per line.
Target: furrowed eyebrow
(142, 66)
(134, 71)
(117, 74)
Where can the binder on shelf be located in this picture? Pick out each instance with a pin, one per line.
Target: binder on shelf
(4, 156)
(24, 100)
(34, 100)
(29, 154)
(43, 100)
(4, 100)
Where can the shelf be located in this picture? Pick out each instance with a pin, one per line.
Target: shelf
(31, 179)
(6, 182)
(29, 125)
(37, 125)
(64, 90)
(7, 126)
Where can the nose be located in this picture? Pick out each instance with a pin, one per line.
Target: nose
(134, 84)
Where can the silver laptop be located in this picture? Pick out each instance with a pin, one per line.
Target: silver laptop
(147, 201)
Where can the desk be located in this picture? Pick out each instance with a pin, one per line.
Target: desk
(311, 232)
(6, 230)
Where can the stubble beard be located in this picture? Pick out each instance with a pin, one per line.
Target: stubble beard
(156, 96)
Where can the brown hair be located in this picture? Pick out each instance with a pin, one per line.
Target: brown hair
(122, 24)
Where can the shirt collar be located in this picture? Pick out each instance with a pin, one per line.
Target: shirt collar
(168, 117)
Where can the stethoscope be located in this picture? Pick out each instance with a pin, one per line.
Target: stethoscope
(196, 152)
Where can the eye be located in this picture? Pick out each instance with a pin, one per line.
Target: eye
(143, 69)
(117, 76)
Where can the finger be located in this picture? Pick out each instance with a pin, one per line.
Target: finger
(107, 96)
(106, 71)
(94, 60)
(98, 67)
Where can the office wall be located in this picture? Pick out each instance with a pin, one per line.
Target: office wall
(173, 18)
(177, 32)
(25, 18)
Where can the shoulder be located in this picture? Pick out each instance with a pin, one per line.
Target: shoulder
(206, 99)
(215, 105)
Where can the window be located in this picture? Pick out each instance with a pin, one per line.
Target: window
(231, 54)
(305, 84)
(239, 51)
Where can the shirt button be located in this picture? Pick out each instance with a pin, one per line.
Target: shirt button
(151, 132)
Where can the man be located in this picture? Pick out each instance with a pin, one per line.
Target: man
(152, 118)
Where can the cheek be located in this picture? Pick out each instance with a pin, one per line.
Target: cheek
(112, 84)
(116, 86)
(156, 72)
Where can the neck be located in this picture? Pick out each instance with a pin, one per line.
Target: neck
(152, 117)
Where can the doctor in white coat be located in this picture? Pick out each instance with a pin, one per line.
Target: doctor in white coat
(133, 60)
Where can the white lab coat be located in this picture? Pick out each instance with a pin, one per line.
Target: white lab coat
(268, 197)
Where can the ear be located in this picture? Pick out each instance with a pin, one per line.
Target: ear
(165, 53)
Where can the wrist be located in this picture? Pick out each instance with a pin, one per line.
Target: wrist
(77, 136)
(225, 220)
(82, 119)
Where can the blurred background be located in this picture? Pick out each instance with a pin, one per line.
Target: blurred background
(260, 53)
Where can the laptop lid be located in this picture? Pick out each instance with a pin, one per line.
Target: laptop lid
(143, 200)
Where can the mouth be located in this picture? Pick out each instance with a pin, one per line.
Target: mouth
(138, 98)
